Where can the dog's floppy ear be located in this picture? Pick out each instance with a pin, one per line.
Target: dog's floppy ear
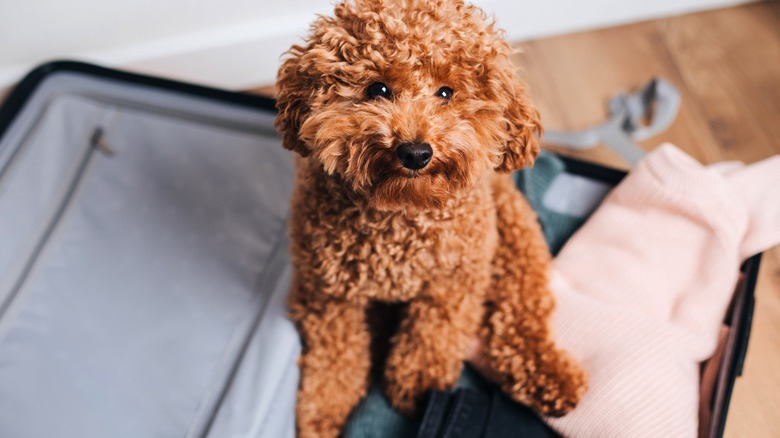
(522, 119)
(294, 89)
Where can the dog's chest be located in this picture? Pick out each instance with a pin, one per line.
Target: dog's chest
(393, 257)
(397, 259)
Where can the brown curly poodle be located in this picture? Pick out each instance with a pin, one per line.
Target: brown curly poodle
(407, 119)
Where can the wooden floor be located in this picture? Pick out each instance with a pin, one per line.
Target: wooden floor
(727, 65)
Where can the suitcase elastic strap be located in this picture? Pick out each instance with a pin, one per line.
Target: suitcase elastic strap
(627, 112)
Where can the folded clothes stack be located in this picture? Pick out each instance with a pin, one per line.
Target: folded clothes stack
(643, 287)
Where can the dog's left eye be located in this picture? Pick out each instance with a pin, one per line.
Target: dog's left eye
(445, 93)
(378, 89)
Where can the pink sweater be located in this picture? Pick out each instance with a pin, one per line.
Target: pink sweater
(643, 287)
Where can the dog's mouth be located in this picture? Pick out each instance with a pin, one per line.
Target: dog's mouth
(423, 192)
(411, 174)
(395, 187)
(399, 173)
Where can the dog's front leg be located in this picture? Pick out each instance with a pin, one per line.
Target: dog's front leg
(431, 345)
(517, 343)
(334, 365)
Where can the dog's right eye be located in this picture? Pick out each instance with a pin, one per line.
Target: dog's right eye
(378, 89)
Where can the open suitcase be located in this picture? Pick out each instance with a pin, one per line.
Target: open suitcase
(144, 262)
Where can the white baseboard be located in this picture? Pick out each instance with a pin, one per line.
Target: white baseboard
(247, 55)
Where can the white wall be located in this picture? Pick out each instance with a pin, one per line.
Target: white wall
(237, 43)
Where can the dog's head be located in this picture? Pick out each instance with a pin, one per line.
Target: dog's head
(407, 101)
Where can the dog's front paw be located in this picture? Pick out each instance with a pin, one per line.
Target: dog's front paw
(567, 384)
(322, 410)
(311, 425)
(410, 374)
(555, 388)
(329, 390)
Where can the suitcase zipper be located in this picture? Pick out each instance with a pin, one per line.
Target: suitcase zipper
(97, 141)
(11, 298)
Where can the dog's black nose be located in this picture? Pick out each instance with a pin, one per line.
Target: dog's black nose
(414, 156)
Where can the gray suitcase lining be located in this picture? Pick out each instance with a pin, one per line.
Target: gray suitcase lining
(133, 285)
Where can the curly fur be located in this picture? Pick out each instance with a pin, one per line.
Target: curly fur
(454, 241)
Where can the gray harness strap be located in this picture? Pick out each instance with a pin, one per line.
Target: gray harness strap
(627, 111)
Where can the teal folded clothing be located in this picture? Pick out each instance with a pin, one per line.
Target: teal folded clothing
(374, 418)
(534, 183)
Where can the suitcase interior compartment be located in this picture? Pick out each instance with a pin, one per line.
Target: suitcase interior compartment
(144, 261)
(142, 246)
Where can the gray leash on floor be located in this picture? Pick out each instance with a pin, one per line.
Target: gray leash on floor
(627, 111)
